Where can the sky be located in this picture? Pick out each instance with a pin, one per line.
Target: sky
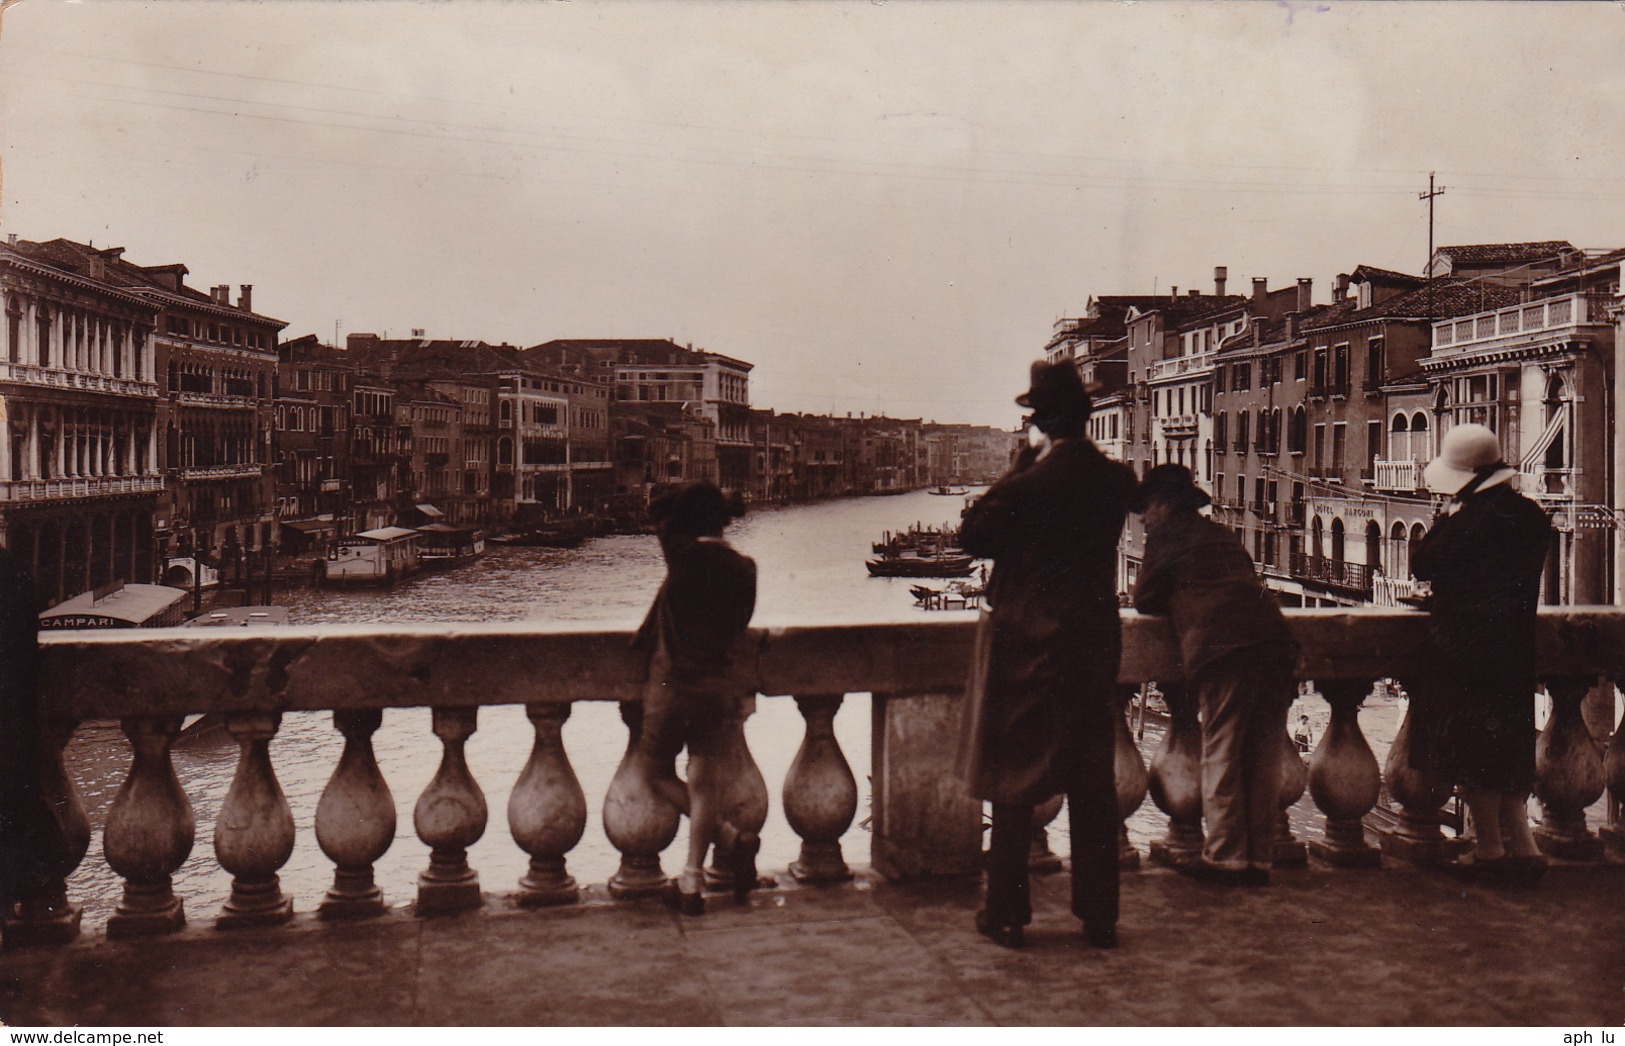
(884, 206)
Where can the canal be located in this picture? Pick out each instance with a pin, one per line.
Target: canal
(810, 560)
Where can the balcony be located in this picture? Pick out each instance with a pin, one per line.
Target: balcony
(1180, 426)
(217, 401)
(1264, 510)
(920, 829)
(56, 378)
(1389, 591)
(1353, 578)
(193, 474)
(1551, 314)
(1397, 477)
(78, 487)
(1182, 365)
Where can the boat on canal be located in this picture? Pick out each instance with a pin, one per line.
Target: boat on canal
(373, 557)
(446, 544)
(923, 563)
(119, 606)
(951, 491)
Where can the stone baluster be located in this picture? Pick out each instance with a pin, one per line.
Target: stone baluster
(1040, 858)
(820, 793)
(924, 821)
(1344, 780)
(149, 833)
(43, 914)
(355, 820)
(743, 803)
(1411, 832)
(1176, 781)
(1568, 775)
(637, 821)
(450, 817)
(547, 811)
(253, 836)
(1130, 775)
(1290, 851)
(1613, 769)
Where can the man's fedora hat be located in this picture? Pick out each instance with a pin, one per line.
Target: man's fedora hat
(1465, 451)
(1055, 388)
(1172, 483)
(695, 507)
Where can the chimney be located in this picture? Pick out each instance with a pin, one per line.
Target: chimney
(221, 293)
(1258, 331)
(1261, 288)
(1305, 293)
(1220, 274)
(245, 297)
(1291, 327)
(417, 332)
(1342, 286)
(11, 238)
(1193, 292)
(1173, 292)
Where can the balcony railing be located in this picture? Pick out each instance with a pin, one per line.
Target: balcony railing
(68, 489)
(1549, 314)
(1182, 365)
(1332, 573)
(1400, 477)
(55, 377)
(1388, 591)
(208, 472)
(148, 680)
(1180, 426)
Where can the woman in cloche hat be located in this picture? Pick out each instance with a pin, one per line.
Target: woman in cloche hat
(1472, 715)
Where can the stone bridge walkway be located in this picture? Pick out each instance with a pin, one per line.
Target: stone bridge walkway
(1396, 947)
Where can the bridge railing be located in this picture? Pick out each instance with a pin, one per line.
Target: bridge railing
(923, 822)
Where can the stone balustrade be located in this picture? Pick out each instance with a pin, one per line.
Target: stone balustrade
(923, 823)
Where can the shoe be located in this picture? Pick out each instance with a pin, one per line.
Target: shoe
(682, 903)
(742, 863)
(1101, 936)
(1489, 870)
(1003, 936)
(1201, 871)
(1525, 870)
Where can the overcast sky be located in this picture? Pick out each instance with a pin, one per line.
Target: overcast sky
(884, 206)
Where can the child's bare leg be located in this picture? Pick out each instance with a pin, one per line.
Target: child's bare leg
(702, 832)
(1515, 830)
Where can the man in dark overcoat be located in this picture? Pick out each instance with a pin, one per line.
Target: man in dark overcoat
(1238, 657)
(1039, 710)
(32, 848)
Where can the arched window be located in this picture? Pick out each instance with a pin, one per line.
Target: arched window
(1337, 540)
(1399, 438)
(1373, 546)
(1317, 539)
(506, 411)
(1399, 552)
(504, 450)
(1298, 436)
(1421, 446)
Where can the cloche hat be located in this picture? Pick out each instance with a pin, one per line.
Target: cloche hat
(1466, 451)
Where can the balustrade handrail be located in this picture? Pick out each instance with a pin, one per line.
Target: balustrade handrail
(92, 674)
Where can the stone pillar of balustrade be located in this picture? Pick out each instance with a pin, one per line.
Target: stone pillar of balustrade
(1129, 774)
(1613, 770)
(820, 793)
(1407, 825)
(1176, 781)
(744, 800)
(1568, 775)
(58, 841)
(355, 820)
(1040, 858)
(547, 811)
(1290, 851)
(924, 820)
(253, 836)
(1344, 780)
(638, 822)
(450, 817)
(149, 832)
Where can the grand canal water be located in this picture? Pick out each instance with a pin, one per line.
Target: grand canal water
(810, 559)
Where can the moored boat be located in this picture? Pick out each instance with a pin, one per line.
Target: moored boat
(914, 563)
(373, 557)
(448, 544)
(119, 606)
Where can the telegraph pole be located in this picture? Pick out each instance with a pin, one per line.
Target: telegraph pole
(1428, 196)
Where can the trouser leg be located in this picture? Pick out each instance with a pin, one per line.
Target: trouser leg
(1008, 900)
(1092, 818)
(1224, 761)
(1263, 749)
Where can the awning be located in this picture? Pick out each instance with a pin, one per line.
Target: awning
(431, 511)
(128, 607)
(312, 526)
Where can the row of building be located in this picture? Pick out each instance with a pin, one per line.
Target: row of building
(1309, 421)
(146, 421)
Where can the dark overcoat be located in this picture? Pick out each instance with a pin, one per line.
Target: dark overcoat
(1473, 709)
(1051, 642)
(32, 846)
(1197, 573)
